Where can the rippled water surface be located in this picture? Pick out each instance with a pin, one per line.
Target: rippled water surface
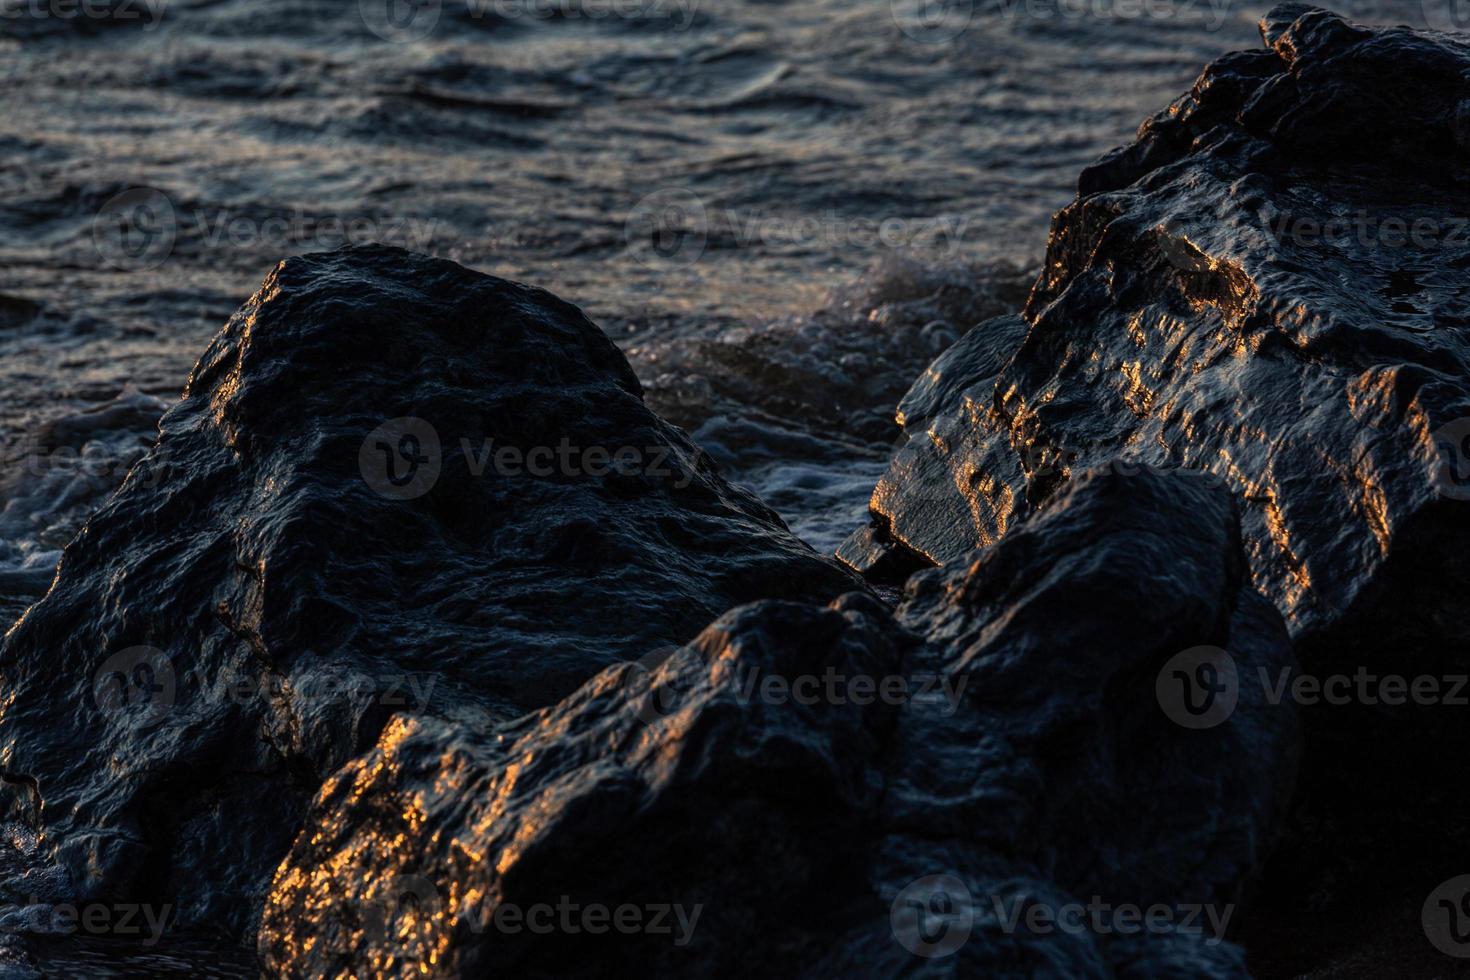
(780, 210)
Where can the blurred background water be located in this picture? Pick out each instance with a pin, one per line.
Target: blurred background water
(780, 209)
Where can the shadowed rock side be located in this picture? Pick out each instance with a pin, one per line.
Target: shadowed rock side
(1269, 285)
(282, 572)
(790, 830)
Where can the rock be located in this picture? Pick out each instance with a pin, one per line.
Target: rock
(808, 828)
(1087, 774)
(658, 785)
(1189, 316)
(1267, 285)
(970, 366)
(391, 483)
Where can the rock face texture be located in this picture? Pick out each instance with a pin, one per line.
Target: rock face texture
(1193, 312)
(828, 792)
(391, 483)
(1268, 285)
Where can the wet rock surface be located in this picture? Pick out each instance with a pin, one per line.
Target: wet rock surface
(840, 834)
(391, 483)
(1268, 285)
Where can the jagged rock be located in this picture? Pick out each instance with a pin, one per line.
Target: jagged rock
(362, 504)
(1039, 767)
(1268, 285)
(666, 783)
(1189, 316)
(1061, 750)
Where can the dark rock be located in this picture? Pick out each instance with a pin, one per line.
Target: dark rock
(1269, 285)
(968, 367)
(658, 783)
(1061, 750)
(287, 567)
(807, 832)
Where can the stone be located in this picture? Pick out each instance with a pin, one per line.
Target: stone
(1267, 285)
(391, 483)
(808, 826)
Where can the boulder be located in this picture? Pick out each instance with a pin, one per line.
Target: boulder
(669, 784)
(1267, 285)
(1069, 747)
(827, 792)
(391, 483)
